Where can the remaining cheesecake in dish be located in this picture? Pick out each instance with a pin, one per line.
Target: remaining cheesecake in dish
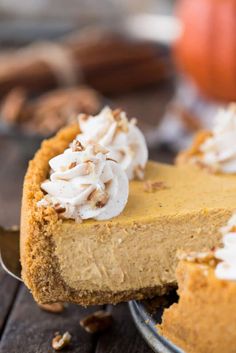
(204, 319)
(215, 150)
(75, 248)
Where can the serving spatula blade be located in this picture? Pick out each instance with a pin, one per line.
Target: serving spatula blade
(10, 251)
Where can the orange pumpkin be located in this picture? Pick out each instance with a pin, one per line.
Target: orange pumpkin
(206, 50)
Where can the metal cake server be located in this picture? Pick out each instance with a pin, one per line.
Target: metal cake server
(10, 251)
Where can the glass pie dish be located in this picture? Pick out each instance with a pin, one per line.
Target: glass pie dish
(146, 320)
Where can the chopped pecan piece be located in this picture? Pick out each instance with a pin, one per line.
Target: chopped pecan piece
(152, 186)
(122, 122)
(99, 198)
(61, 341)
(72, 165)
(77, 146)
(101, 203)
(55, 308)
(97, 322)
(59, 208)
(110, 159)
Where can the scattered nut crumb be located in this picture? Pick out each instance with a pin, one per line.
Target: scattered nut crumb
(61, 341)
(120, 117)
(99, 198)
(110, 159)
(123, 124)
(152, 186)
(77, 146)
(101, 203)
(52, 308)
(193, 153)
(97, 322)
(59, 208)
(72, 165)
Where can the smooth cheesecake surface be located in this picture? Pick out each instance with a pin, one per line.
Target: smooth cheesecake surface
(204, 319)
(130, 256)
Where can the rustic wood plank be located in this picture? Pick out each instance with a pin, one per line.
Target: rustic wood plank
(30, 329)
(123, 335)
(8, 290)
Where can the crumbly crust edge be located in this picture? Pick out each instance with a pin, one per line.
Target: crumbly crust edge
(39, 264)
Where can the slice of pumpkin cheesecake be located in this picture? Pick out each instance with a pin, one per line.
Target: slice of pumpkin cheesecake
(91, 237)
(207, 299)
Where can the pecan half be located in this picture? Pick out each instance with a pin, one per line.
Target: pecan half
(55, 308)
(97, 322)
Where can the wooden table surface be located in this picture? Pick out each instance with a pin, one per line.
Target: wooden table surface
(24, 327)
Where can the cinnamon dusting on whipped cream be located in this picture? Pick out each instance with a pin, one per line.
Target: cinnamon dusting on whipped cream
(123, 139)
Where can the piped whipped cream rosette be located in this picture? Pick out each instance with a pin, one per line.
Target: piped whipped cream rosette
(123, 139)
(226, 268)
(218, 151)
(85, 183)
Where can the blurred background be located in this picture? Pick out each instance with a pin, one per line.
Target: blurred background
(159, 60)
(169, 63)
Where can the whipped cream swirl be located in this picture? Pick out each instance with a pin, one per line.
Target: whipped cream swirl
(219, 150)
(84, 183)
(123, 139)
(226, 269)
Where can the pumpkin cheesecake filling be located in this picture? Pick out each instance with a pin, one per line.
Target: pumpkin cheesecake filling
(142, 241)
